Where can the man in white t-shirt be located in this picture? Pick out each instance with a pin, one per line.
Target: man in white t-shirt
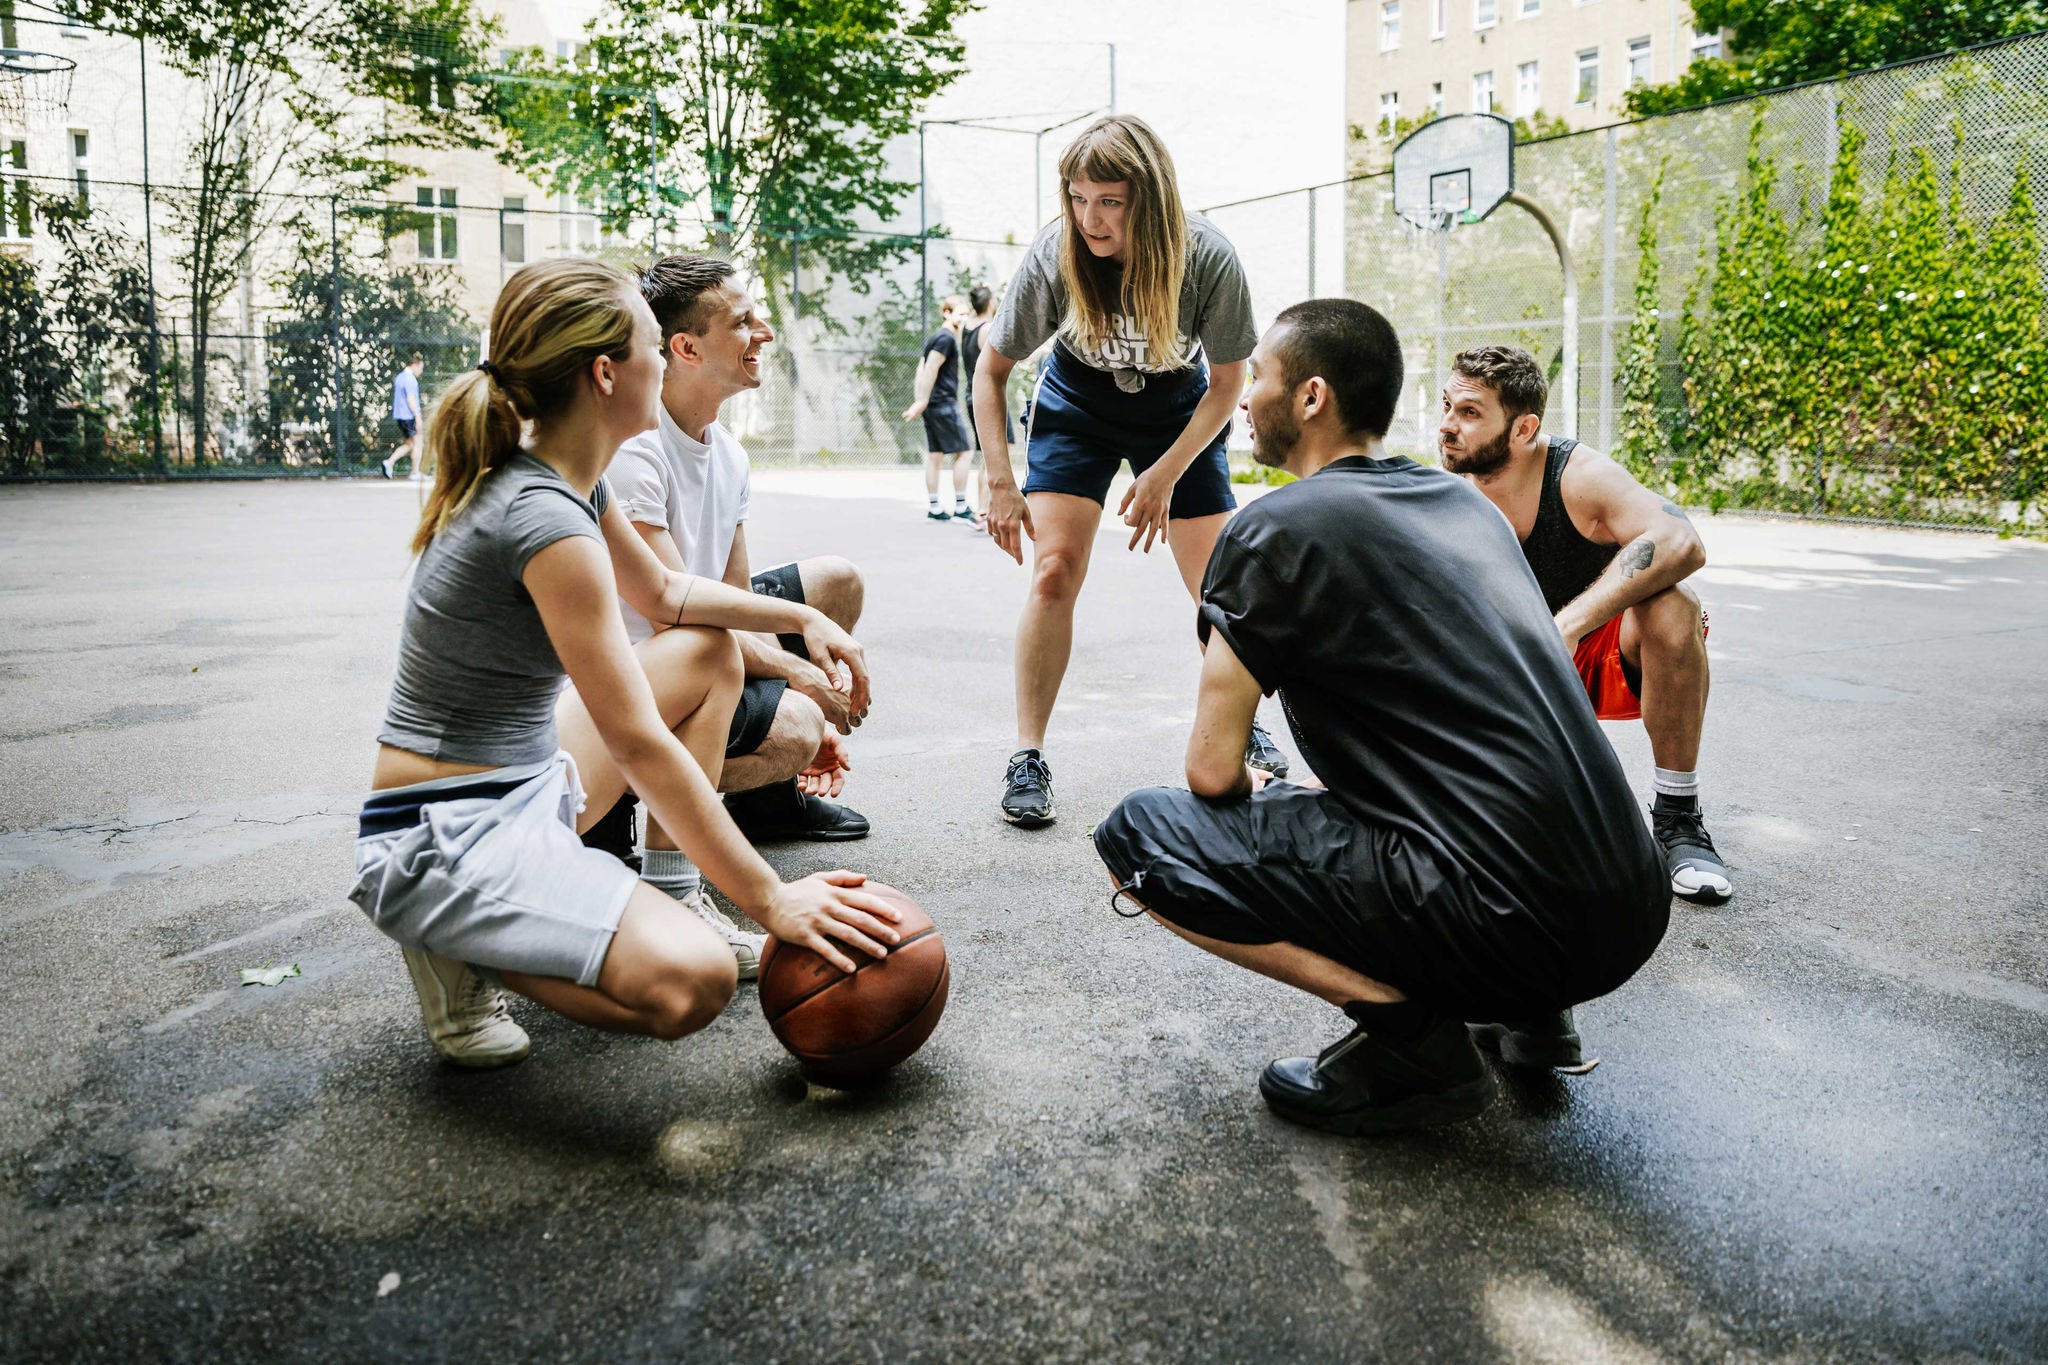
(685, 487)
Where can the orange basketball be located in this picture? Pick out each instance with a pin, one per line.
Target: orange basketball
(846, 1030)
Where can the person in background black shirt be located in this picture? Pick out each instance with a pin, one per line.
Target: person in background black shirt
(1476, 854)
(938, 402)
(1612, 559)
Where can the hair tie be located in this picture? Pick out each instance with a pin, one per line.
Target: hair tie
(489, 370)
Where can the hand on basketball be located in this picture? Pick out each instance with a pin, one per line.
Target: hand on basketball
(826, 910)
(826, 775)
(1008, 520)
(830, 648)
(1145, 507)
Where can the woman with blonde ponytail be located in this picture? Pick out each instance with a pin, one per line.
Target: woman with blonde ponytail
(467, 853)
(1150, 322)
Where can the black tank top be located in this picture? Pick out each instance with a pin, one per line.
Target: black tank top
(1565, 562)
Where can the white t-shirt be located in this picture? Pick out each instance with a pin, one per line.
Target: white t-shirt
(698, 491)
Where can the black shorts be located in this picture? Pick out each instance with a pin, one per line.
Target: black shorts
(1082, 428)
(1294, 865)
(407, 427)
(945, 432)
(755, 714)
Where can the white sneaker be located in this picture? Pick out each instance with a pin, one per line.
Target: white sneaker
(465, 1015)
(745, 946)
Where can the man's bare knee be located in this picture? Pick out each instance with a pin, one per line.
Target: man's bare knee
(833, 585)
(793, 739)
(692, 995)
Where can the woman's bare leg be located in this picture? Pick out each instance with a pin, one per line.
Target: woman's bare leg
(665, 975)
(1193, 540)
(1063, 536)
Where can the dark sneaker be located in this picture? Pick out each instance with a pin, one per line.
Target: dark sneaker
(936, 514)
(782, 810)
(1027, 790)
(1262, 753)
(1402, 1067)
(1697, 872)
(1550, 1041)
(614, 833)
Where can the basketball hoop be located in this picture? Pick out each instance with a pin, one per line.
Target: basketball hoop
(35, 87)
(1454, 170)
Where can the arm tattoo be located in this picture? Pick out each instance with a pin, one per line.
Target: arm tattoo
(1636, 558)
(1672, 509)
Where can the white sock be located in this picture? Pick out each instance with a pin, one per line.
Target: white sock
(1685, 785)
(670, 870)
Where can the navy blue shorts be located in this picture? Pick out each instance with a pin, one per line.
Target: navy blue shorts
(407, 427)
(1083, 427)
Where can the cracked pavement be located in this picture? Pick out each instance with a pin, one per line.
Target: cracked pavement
(1815, 1134)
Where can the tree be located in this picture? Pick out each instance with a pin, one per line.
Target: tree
(1645, 438)
(295, 94)
(741, 122)
(1782, 42)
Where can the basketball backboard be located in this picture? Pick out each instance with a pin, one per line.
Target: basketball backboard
(1454, 170)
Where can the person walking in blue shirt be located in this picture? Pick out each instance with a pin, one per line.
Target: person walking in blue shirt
(405, 410)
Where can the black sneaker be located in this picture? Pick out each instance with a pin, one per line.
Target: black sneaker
(1697, 872)
(614, 832)
(1027, 790)
(1402, 1067)
(936, 514)
(782, 810)
(1550, 1041)
(1262, 753)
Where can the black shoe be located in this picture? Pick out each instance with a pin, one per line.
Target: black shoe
(1027, 790)
(1697, 872)
(1262, 753)
(1404, 1066)
(934, 514)
(782, 810)
(614, 832)
(1550, 1041)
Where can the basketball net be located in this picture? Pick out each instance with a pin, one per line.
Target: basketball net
(35, 88)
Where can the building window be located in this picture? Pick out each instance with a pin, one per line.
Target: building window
(1638, 61)
(582, 222)
(1528, 89)
(14, 192)
(1706, 44)
(436, 207)
(1482, 92)
(1587, 90)
(81, 165)
(1390, 111)
(1439, 18)
(433, 84)
(1436, 99)
(512, 230)
(1485, 13)
(1390, 25)
(1528, 9)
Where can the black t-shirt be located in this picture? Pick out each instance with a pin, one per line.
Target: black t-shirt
(970, 355)
(946, 386)
(1424, 679)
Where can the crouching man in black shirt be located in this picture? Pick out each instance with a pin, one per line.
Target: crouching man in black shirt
(1476, 854)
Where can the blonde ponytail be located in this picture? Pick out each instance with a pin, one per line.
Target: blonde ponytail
(550, 322)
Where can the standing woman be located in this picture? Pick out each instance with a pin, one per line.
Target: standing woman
(1138, 292)
(981, 303)
(467, 853)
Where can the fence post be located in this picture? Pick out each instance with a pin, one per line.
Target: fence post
(334, 322)
(1820, 480)
(654, 175)
(156, 381)
(1312, 241)
(1607, 300)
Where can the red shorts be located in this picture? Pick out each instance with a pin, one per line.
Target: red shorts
(1599, 663)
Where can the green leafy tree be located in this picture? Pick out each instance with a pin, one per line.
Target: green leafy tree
(739, 122)
(32, 369)
(1776, 43)
(298, 93)
(1645, 443)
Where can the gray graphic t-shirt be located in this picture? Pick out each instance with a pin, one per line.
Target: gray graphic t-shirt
(1215, 310)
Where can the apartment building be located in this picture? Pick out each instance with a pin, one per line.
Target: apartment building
(1568, 59)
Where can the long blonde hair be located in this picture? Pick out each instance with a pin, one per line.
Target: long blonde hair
(551, 320)
(1124, 147)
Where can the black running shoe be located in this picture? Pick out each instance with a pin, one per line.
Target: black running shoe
(1027, 790)
(1262, 753)
(1402, 1067)
(1697, 872)
(935, 514)
(1551, 1041)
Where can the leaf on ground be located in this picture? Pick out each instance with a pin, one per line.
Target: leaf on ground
(268, 976)
(391, 1281)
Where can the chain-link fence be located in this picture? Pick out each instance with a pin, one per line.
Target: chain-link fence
(1826, 301)
(185, 292)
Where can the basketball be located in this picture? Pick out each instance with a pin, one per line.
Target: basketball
(846, 1030)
